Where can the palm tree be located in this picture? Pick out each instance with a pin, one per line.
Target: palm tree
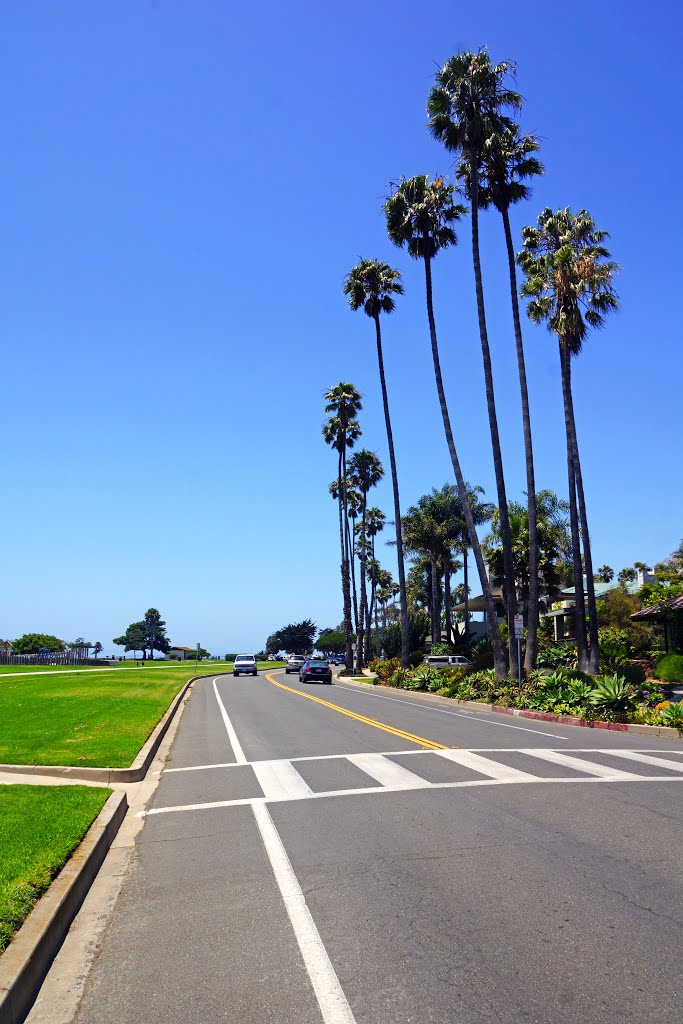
(341, 431)
(465, 108)
(554, 542)
(508, 159)
(424, 537)
(365, 471)
(569, 277)
(354, 500)
(482, 511)
(376, 521)
(372, 285)
(420, 215)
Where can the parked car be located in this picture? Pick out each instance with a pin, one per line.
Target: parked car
(445, 660)
(294, 663)
(245, 664)
(315, 669)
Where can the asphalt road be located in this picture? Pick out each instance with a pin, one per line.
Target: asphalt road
(364, 857)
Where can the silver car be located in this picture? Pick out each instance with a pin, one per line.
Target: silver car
(245, 664)
(294, 663)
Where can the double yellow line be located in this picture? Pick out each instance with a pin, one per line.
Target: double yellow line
(420, 740)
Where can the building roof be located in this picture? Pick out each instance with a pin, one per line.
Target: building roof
(177, 648)
(658, 611)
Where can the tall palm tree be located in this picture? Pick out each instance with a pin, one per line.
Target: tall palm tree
(509, 159)
(420, 217)
(365, 471)
(482, 511)
(341, 431)
(569, 276)
(354, 502)
(465, 107)
(372, 285)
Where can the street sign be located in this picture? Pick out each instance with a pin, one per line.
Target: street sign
(519, 627)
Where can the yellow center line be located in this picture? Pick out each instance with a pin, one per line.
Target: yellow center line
(420, 740)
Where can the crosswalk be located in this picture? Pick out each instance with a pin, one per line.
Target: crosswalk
(336, 775)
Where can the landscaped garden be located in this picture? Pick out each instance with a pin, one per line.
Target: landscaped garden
(609, 697)
(40, 827)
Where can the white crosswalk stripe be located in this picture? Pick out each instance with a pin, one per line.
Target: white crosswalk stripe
(578, 763)
(484, 765)
(387, 772)
(280, 780)
(633, 755)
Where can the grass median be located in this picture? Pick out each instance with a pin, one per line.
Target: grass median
(40, 827)
(93, 719)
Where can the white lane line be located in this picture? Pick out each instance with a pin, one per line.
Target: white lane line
(492, 769)
(387, 772)
(468, 784)
(329, 993)
(280, 780)
(232, 735)
(590, 767)
(470, 715)
(633, 755)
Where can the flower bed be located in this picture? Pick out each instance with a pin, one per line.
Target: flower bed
(563, 692)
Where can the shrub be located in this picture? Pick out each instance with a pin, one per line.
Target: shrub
(416, 659)
(422, 678)
(482, 653)
(386, 668)
(398, 677)
(613, 694)
(670, 668)
(559, 656)
(673, 716)
(445, 691)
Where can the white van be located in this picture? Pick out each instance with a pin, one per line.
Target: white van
(446, 660)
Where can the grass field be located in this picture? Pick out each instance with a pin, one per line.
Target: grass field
(94, 719)
(202, 666)
(40, 826)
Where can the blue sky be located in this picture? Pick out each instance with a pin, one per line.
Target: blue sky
(184, 187)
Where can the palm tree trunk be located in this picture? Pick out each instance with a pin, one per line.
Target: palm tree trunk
(360, 646)
(436, 602)
(498, 655)
(533, 604)
(405, 635)
(579, 603)
(346, 580)
(505, 535)
(594, 648)
(351, 542)
(447, 605)
(466, 587)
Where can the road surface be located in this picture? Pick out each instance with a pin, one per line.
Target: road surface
(337, 854)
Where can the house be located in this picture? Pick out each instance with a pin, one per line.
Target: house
(181, 653)
(477, 629)
(562, 611)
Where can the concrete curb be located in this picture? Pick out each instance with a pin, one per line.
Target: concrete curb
(26, 961)
(541, 716)
(107, 776)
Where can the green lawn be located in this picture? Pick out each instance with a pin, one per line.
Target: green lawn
(40, 827)
(202, 666)
(95, 719)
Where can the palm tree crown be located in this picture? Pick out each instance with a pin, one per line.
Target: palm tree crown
(466, 103)
(568, 275)
(372, 286)
(420, 214)
(506, 161)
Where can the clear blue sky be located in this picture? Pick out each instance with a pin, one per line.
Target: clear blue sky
(184, 187)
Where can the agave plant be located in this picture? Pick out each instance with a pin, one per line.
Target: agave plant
(612, 693)
(422, 678)
(673, 716)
